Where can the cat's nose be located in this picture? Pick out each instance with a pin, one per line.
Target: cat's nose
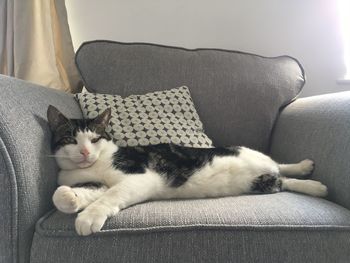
(85, 152)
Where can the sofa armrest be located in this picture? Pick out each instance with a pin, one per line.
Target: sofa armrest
(27, 173)
(318, 128)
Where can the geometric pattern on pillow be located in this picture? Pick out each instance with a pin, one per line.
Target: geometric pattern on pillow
(167, 116)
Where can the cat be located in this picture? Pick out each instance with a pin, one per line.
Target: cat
(119, 177)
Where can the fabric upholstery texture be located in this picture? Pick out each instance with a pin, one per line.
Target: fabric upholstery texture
(237, 95)
(7, 233)
(251, 228)
(318, 128)
(28, 174)
(154, 118)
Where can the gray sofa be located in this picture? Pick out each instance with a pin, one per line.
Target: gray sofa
(242, 99)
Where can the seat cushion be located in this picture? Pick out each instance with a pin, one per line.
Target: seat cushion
(283, 227)
(237, 95)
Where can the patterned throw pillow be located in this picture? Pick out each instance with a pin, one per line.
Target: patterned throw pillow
(154, 118)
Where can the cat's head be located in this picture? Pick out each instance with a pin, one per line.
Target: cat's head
(77, 143)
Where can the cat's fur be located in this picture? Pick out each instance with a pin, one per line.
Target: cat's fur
(130, 175)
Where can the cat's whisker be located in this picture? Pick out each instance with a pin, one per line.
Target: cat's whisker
(108, 161)
(61, 156)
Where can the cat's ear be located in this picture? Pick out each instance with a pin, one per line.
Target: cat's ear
(55, 118)
(102, 120)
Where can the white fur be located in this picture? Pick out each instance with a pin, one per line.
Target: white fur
(70, 200)
(70, 158)
(309, 187)
(229, 175)
(301, 169)
(224, 176)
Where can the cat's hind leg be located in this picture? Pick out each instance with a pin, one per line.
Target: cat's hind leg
(72, 199)
(273, 183)
(298, 170)
(309, 187)
(301, 170)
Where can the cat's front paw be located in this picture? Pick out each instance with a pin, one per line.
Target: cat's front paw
(89, 222)
(66, 200)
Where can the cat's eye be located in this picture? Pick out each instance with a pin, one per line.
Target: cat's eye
(94, 140)
(68, 140)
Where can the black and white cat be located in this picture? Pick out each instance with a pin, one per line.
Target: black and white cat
(130, 175)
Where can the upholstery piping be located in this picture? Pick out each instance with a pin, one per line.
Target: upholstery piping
(14, 198)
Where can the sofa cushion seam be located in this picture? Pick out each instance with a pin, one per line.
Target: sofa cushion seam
(162, 228)
(231, 228)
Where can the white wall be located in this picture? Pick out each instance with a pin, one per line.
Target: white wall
(308, 30)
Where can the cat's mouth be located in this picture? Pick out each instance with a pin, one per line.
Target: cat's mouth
(85, 163)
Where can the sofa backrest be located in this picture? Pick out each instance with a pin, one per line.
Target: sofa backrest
(238, 95)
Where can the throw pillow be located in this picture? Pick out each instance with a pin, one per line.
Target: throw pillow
(167, 116)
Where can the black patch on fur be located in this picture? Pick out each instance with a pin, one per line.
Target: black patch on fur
(176, 163)
(66, 132)
(267, 183)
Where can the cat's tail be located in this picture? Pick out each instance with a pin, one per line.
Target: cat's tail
(309, 187)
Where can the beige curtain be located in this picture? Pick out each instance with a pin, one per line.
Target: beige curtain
(36, 45)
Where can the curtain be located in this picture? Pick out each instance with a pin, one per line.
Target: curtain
(36, 45)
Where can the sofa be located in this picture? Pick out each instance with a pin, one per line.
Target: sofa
(242, 99)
